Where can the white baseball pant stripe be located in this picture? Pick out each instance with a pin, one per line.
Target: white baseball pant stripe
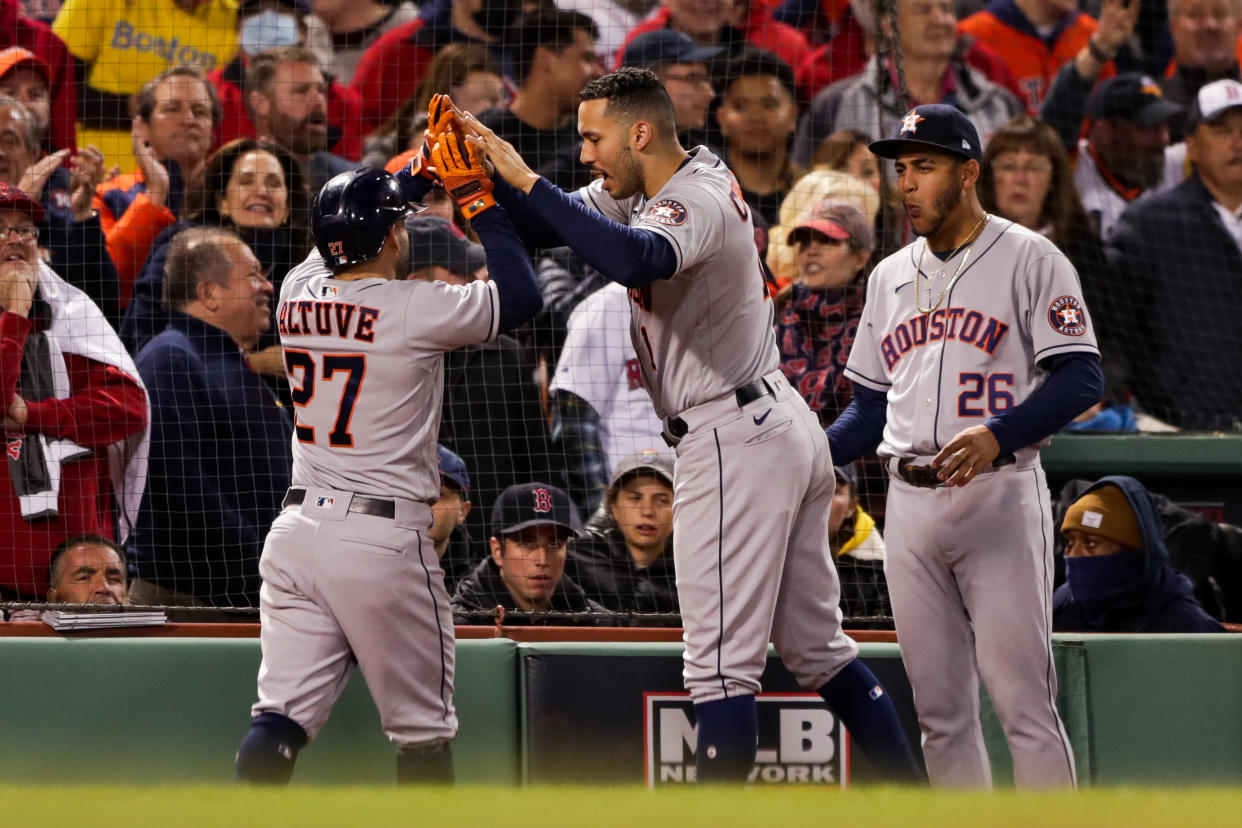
(972, 599)
(350, 588)
(750, 540)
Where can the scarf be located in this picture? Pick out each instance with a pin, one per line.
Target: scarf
(814, 333)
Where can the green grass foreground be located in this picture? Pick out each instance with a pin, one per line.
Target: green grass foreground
(469, 806)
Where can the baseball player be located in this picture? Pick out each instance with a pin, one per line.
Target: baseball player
(974, 346)
(752, 478)
(350, 573)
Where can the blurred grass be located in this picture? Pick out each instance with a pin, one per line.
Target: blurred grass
(601, 807)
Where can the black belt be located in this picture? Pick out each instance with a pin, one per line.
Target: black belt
(926, 477)
(358, 505)
(676, 427)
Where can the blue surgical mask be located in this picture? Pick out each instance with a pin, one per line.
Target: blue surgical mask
(267, 30)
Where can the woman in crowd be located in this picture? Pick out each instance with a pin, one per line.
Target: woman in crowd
(255, 188)
(817, 188)
(817, 315)
(1026, 177)
(624, 556)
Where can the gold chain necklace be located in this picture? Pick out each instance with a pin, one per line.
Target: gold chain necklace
(970, 243)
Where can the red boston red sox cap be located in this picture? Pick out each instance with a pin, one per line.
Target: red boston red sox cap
(533, 504)
(11, 198)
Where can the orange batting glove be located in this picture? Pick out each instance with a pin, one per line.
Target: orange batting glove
(441, 119)
(460, 170)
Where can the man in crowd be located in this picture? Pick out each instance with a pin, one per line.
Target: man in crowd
(287, 96)
(357, 24)
(1205, 48)
(71, 238)
(554, 58)
(1118, 577)
(75, 411)
(220, 445)
(448, 514)
(171, 130)
(531, 527)
(1179, 251)
(683, 69)
(933, 72)
(17, 30)
(87, 569)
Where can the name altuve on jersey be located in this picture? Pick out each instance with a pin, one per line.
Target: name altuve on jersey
(313, 316)
(960, 324)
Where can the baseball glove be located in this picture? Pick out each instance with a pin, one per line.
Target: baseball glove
(462, 173)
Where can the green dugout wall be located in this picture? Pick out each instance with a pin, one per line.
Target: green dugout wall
(1140, 710)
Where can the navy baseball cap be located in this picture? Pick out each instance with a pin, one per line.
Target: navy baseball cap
(847, 474)
(666, 46)
(940, 126)
(533, 504)
(1130, 97)
(436, 241)
(453, 469)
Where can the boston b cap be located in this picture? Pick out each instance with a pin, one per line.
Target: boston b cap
(533, 504)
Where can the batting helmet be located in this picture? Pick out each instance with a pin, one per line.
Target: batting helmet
(353, 213)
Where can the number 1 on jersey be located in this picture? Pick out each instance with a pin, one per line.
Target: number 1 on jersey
(300, 366)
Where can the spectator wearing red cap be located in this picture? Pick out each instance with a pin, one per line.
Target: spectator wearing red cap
(75, 428)
(71, 238)
(40, 41)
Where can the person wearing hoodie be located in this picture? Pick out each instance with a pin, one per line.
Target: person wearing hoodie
(525, 573)
(858, 552)
(623, 558)
(1118, 578)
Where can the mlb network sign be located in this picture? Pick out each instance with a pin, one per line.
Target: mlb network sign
(800, 741)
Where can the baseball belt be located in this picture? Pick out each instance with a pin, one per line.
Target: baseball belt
(926, 477)
(675, 427)
(358, 505)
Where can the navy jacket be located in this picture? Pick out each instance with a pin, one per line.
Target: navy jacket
(221, 461)
(1178, 283)
(1161, 601)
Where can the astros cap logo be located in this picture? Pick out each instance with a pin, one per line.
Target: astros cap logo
(910, 122)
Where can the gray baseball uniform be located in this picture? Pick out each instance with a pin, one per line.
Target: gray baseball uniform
(970, 569)
(342, 583)
(753, 477)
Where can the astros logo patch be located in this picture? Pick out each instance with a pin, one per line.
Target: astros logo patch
(666, 211)
(910, 123)
(1066, 316)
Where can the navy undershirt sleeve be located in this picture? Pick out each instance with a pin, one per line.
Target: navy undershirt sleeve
(860, 428)
(531, 226)
(1075, 383)
(629, 255)
(413, 187)
(508, 265)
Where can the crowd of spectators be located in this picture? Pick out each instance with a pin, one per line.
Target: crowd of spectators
(158, 160)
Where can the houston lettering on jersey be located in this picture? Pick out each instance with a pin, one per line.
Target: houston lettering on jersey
(960, 324)
(311, 316)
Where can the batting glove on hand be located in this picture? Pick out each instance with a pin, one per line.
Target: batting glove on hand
(441, 119)
(463, 175)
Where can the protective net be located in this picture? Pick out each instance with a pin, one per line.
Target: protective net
(160, 158)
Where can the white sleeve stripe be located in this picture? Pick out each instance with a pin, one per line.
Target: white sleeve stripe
(655, 228)
(1068, 348)
(873, 384)
(493, 324)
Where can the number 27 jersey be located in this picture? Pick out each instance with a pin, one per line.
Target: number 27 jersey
(708, 329)
(1016, 302)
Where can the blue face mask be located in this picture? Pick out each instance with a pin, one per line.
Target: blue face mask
(268, 29)
(1104, 579)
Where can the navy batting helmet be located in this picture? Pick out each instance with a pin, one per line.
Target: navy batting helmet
(353, 214)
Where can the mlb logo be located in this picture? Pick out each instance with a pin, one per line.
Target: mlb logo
(325, 502)
(327, 292)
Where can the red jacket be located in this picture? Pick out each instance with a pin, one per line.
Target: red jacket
(18, 30)
(344, 111)
(389, 71)
(846, 55)
(104, 406)
(760, 30)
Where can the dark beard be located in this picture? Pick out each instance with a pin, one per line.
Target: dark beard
(943, 205)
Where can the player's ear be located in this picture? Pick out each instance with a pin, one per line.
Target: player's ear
(970, 172)
(641, 133)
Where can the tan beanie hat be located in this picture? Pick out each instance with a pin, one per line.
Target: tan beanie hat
(1105, 512)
